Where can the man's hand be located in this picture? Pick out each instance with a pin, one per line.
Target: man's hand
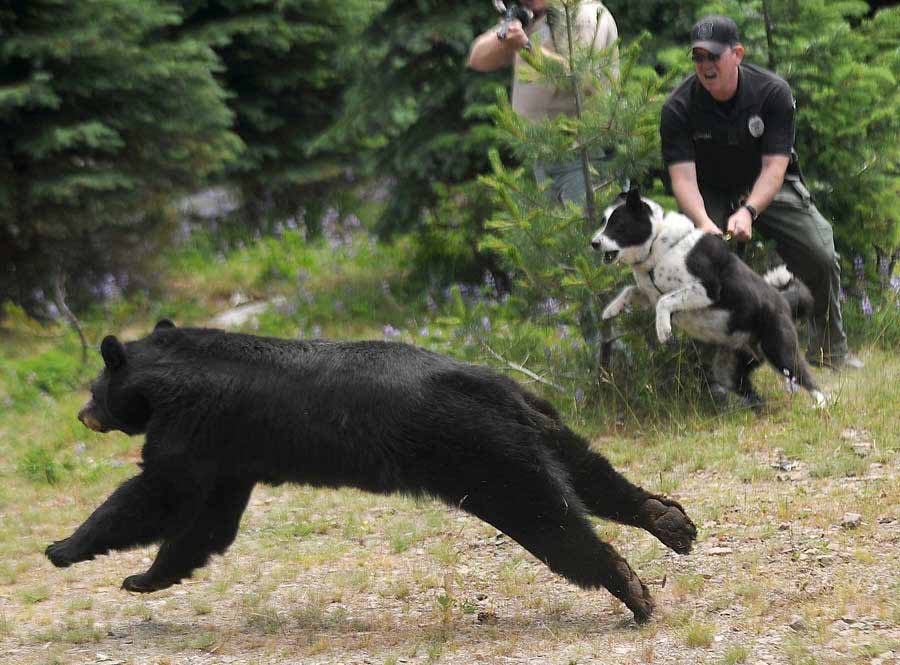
(516, 37)
(739, 225)
(709, 227)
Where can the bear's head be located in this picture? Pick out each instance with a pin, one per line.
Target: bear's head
(117, 402)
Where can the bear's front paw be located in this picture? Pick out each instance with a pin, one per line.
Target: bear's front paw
(62, 554)
(664, 328)
(145, 583)
(668, 521)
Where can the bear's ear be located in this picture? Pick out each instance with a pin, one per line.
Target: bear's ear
(634, 199)
(113, 352)
(163, 324)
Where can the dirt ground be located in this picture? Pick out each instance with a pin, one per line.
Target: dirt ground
(756, 589)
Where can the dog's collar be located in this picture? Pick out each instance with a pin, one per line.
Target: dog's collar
(643, 264)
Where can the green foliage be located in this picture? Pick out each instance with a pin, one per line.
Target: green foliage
(39, 466)
(545, 244)
(285, 66)
(52, 373)
(419, 120)
(103, 115)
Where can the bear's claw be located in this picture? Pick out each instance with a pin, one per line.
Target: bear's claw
(668, 521)
(61, 556)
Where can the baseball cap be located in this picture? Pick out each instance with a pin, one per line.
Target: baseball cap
(714, 33)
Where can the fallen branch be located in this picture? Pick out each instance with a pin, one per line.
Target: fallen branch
(524, 370)
(60, 300)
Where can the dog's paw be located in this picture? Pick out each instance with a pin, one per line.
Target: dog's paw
(668, 521)
(611, 312)
(822, 401)
(664, 328)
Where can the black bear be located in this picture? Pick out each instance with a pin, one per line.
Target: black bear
(223, 411)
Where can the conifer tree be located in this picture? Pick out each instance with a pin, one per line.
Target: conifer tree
(101, 117)
(547, 245)
(285, 67)
(420, 120)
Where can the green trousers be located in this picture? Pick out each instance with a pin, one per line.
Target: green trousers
(804, 239)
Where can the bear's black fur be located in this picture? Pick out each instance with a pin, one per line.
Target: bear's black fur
(223, 411)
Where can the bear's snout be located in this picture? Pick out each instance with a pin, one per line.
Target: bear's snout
(87, 418)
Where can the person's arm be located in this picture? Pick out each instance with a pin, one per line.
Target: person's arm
(687, 194)
(767, 185)
(678, 157)
(489, 52)
(777, 143)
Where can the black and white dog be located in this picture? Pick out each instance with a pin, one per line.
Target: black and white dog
(692, 279)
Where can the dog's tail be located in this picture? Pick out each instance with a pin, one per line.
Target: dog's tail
(793, 290)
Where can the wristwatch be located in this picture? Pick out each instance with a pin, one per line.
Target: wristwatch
(752, 211)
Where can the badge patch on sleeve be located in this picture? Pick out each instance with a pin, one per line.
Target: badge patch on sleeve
(756, 126)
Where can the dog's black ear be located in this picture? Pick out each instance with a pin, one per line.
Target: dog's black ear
(113, 352)
(634, 198)
(163, 324)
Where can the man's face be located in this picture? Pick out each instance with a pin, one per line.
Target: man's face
(719, 77)
(537, 6)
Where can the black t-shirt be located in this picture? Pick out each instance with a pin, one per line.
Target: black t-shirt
(727, 140)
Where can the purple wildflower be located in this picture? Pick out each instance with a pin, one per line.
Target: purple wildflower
(859, 266)
(866, 305)
(842, 295)
(390, 331)
(551, 306)
(423, 332)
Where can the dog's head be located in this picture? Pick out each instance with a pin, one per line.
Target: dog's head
(629, 227)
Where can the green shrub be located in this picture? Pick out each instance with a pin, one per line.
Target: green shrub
(39, 466)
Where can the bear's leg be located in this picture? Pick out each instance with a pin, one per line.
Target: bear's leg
(211, 533)
(608, 494)
(545, 517)
(138, 513)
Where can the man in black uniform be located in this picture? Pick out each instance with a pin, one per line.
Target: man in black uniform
(728, 144)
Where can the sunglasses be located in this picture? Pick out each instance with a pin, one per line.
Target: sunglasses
(700, 58)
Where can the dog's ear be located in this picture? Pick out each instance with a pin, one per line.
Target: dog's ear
(113, 352)
(634, 199)
(163, 324)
